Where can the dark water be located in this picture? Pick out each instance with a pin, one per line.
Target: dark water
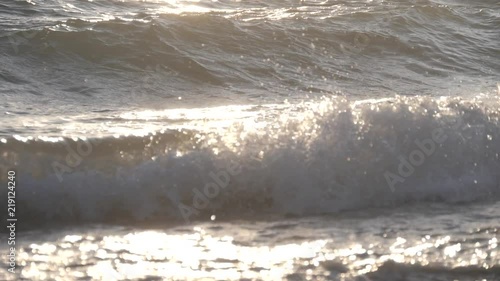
(72, 57)
(357, 134)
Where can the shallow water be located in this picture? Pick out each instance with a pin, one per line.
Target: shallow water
(425, 242)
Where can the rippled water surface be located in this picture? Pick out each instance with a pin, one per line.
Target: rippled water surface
(252, 140)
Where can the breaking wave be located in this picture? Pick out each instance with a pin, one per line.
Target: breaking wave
(312, 158)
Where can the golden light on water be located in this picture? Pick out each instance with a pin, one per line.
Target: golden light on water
(186, 6)
(183, 256)
(197, 254)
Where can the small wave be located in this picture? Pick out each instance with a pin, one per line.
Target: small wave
(416, 47)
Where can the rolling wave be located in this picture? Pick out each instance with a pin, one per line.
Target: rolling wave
(320, 157)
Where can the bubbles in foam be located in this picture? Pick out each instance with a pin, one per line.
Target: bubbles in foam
(308, 158)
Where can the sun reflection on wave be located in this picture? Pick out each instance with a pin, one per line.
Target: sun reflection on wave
(198, 254)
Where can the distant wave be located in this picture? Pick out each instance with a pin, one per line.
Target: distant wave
(310, 48)
(312, 158)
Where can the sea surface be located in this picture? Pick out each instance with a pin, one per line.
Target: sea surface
(251, 140)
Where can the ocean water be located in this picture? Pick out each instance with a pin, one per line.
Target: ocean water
(251, 140)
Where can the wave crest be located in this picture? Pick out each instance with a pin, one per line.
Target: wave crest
(311, 158)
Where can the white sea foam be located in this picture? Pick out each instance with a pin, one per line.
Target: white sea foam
(319, 157)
